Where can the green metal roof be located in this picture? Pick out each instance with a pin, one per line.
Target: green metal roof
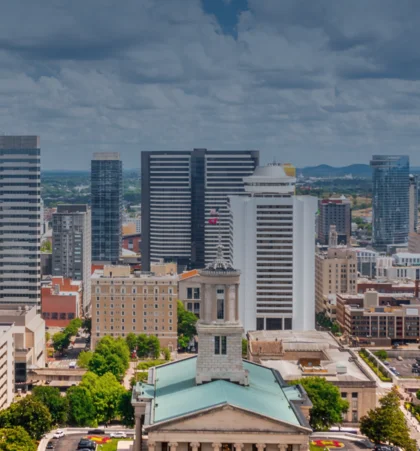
(176, 393)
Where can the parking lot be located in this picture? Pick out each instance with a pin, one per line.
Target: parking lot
(69, 442)
(404, 367)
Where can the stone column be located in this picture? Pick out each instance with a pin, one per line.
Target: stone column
(227, 303)
(195, 446)
(238, 446)
(237, 301)
(207, 303)
(260, 446)
(282, 447)
(138, 432)
(172, 446)
(216, 446)
(151, 446)
(232, 303)
(297, 448)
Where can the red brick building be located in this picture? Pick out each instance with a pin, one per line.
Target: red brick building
(132, 242)
(61, 301)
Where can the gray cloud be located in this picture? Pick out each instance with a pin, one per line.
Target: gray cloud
(304, 81)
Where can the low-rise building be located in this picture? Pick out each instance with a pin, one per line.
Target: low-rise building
(189, 291)
(29, 339)
(56, 377)
(132, 242)
(124, 302)
(7, 364)
(414, 242)
(61, 301)
(335, 272)
(296, 355)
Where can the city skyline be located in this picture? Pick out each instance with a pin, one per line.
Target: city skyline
(300, 81)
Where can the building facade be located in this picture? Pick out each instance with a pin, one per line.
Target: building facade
(414, 203)
(20, 220)
(272, 242)
(138, 303)
(334, 211)
(179, 189)
(216, 401)
(390, 200)
(106, 204)
(71, 255)
(7, 365)
(61, 301)
(335, 272)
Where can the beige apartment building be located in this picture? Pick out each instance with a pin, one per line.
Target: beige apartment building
(335, 272)
(124, 302)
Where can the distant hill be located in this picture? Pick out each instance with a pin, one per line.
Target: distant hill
(324, 170)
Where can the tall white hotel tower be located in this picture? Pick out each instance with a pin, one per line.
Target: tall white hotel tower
(272, 243)
(20, 220)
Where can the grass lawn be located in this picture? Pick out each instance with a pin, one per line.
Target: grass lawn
(111, 445)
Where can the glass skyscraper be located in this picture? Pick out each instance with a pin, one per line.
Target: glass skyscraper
(390, 200)
(106, 203)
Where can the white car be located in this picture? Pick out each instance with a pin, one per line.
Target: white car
(58, 433)
(118, 435)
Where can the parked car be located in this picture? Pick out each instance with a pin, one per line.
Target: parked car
(86, 444)
(58, 434)
(399, 358)
(386, 363)
(96, 432)
(50, 445)
(118, 435)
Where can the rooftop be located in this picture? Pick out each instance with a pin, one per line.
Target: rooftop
(176, 394)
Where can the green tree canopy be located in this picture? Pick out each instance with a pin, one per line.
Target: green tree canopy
(131, 340)
(52, 399)
(16, 439)
(46, 246)
(81, 409)
(381, 354)
(186, 321)
(183, 341)
(328, 406)
(126, 410)
(30, 414)
(106, 392)
(142, 345)
(244, 348)
(87, 325)
(386, 423)
(60, 341)
(153, 345)
(84, 359)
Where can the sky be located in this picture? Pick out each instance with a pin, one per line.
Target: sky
(303, 81)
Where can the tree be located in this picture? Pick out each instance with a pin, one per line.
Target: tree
(381, 354)
(386, 423)
(73, 327)
(47, 337)
(51, 398)
(16, 439)
(244, 348)
(81, 409)
(60, 341)
(30, 414)
(328, 406)
(142, 345)
(125, 409)
(153, 345)
(186, 321)
(84, 359)
(131, 340)
(106, 392)
(46, 246)
(166, 353)
(87, 325)
(183, 341)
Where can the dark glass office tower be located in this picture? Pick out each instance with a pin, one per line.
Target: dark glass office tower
(106, 203)
(179, 189)
(20, 220)
(390, 200)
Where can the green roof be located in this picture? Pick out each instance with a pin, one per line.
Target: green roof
(177, 394)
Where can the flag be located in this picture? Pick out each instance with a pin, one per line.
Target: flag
(213, 221)
(214, 212)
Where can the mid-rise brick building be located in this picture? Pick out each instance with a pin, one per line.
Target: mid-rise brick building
(124, 302)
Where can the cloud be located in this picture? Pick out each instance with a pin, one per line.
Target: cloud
(307, 82)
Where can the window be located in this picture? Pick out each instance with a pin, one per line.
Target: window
(189, 293)
(220, 309)
(196, 292)
(220, 345)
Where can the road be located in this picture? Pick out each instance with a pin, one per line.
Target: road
(72, 354)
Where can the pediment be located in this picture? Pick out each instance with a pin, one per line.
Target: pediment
(227, 418)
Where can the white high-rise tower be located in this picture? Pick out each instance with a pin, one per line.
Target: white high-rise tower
(272, 243)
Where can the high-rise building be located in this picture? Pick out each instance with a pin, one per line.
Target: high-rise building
(139, 303)
(71, 255)
(20, 221)
(179, 189)
(106, 202)
(335, 272)
(390, 200)
(414, 203)
(272, 243)
(334, 211)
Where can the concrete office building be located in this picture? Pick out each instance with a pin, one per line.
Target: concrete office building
(20, 220)
(138, 303)
(7, 365)
(106, 204)
(414, 203)
(179, 189)
(71, 257)
(335, 272)
(334, 211)
(272, 243)
(390, 200)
